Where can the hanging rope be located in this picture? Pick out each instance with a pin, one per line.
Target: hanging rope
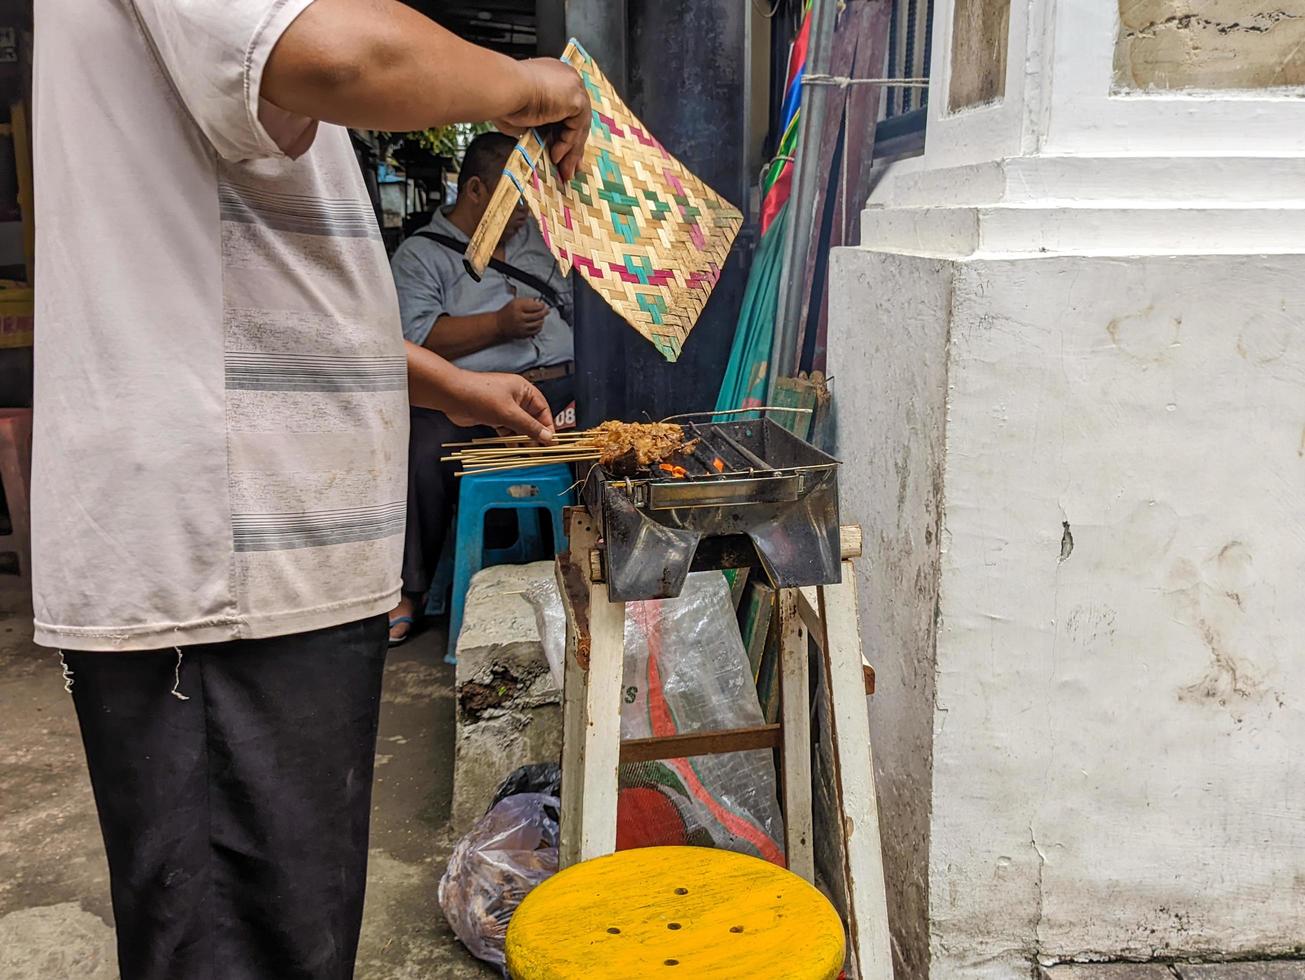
(842, 81)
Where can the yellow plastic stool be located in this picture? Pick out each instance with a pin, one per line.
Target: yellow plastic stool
(675, 913)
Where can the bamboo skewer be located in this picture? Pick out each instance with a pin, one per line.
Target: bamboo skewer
(496, 453)
(490, 468)
(524, 452)
(518, 440)
(517, 452)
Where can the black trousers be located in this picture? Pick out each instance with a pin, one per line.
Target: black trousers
(236, 820)
(432, 487)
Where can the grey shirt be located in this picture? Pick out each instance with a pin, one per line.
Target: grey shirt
(432, 282)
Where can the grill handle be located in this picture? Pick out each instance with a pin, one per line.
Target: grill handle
(783, 489)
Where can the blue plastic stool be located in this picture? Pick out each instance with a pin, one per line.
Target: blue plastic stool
(437, 597)
(529, 546)
(528, 490)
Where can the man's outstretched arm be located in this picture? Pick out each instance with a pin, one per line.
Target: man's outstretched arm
(504, 401)
(378, 64)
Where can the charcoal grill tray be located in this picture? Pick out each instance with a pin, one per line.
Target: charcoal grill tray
(778, 491)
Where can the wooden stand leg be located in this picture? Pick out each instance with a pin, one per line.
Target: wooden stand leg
(591, 701)
(796, 754)
(573, 588)
(602, 733)
(573, 734)
(854, 779)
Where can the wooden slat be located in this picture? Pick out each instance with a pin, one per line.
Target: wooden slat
(575, 602)
(799, 392)
(602, 727)
(575, 593)
(854, 784)
(738, 583)
(795, 700)
(591, 708)
(808, 602)
(504, 200)
(573, 740)
(768, 692)
(754, 623)
(690, 744)
(808, 608)
(850, 541)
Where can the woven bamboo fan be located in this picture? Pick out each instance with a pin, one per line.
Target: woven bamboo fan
(647, 235)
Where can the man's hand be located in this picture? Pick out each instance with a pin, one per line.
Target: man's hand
(521, 319)
(505, 401)
(558, 99)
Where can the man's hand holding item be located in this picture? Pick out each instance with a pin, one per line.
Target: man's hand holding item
(383, 65)
(556, 101)
(521, 319)
(504, 401)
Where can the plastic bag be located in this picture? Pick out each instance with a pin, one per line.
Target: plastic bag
(550, 620)
(509, 851)
(685, 670)
(539, 777)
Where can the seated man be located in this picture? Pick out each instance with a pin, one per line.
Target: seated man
(516, 319)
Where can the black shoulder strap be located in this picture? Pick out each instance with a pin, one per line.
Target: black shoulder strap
(511, 271)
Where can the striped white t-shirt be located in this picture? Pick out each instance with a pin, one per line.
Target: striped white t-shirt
(221, 395)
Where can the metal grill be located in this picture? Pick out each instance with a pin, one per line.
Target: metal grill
(750, 493)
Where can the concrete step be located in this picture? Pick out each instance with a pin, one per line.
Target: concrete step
(1068, 179)
(509, 710)
(1115, 230)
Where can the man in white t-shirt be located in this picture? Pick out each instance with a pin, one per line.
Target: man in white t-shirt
(222, 396)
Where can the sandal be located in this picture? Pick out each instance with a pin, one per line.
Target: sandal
(398, 621)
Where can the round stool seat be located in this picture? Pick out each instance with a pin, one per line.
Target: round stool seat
(675, 912)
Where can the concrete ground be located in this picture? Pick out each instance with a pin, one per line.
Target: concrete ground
(55, 917)
(1244, 970)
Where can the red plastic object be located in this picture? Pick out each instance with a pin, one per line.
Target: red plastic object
(646, 817)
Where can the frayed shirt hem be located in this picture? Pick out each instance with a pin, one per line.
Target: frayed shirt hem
(154, 636)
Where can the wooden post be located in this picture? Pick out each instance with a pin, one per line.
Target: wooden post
(602, 734)
(573, 730)
(591, 701)
(854, 779)
(795, 694)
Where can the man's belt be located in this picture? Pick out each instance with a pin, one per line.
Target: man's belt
(550, 373)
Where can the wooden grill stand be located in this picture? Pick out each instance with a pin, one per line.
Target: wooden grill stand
(592, 747)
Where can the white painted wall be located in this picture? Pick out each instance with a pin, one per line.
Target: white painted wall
(1084, 115)
(890, 387)
(1059, 96)
(1112, 765)
(1084, 307)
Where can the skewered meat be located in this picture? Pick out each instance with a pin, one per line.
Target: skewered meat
(648, 442)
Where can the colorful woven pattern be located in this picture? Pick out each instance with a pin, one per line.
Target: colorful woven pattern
(647, 235)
